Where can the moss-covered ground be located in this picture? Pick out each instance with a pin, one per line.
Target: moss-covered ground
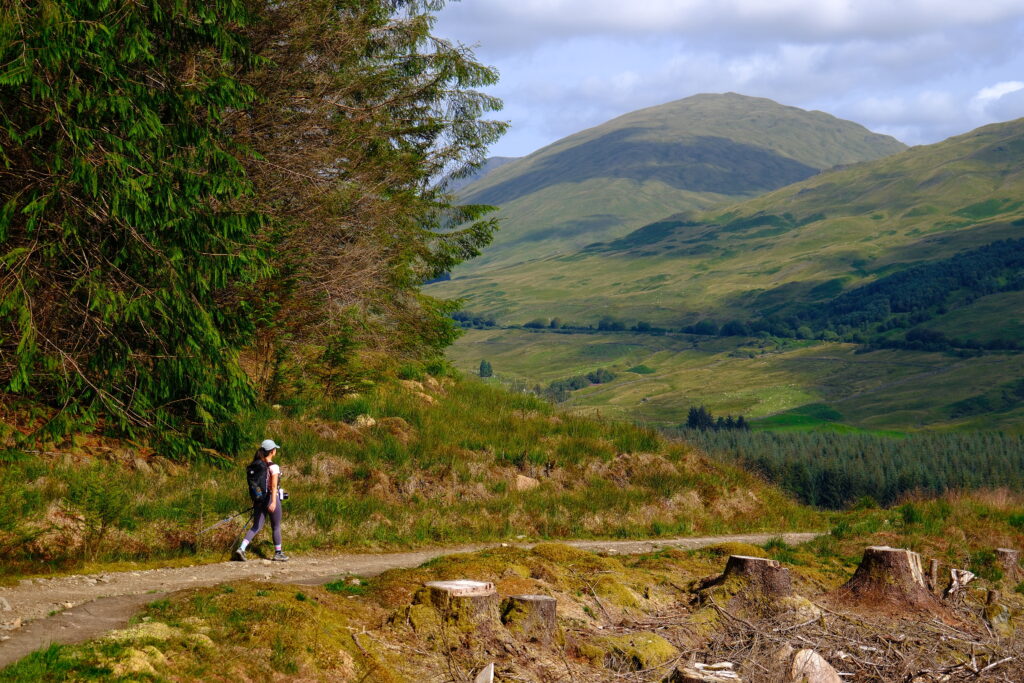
(638, 616)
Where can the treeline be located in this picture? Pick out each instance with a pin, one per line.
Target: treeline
(912, 297)
(869, 315)
(835, 470)
(700, 418)
(475, 321)
(561, 390)
(204, 203)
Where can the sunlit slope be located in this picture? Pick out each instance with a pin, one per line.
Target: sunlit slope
(803, 243)
(689, 154)
(883, 390)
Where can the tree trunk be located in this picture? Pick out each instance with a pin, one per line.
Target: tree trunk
(1009, 562)
(463, 603)
(889, 577)
(531, 616)
(765, 577)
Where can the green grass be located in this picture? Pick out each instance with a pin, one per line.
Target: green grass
(641, 370)
(782, 384)
(381, 629)
(997, 316)
(427, 474)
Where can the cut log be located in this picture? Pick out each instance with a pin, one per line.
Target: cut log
(765, 577)
(933, 575)
(958, 580)
(533, 617)
(463, 603)
(1009, 562)
(891, 577)
(704, 673)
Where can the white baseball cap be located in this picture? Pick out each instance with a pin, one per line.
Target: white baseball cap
(269, 445)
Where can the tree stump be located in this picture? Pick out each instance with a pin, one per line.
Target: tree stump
(1009, 562)
(531, 616)
(889, 577)
(765, 577)
(933, 575)
(462, 603)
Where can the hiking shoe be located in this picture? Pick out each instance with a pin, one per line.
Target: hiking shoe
(238, 556)
(280, 557)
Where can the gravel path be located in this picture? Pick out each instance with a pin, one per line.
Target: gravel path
(72, 609)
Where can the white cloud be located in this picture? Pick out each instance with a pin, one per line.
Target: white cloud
(919, 69)
(503, 22)
(1001, 101)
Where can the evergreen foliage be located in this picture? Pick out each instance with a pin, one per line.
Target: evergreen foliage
(485, 369)
(835, 470)
(701, 419)
(473, 320)
(915, 295)
(363, 113)
(155, 154)
(560, 390)
(119, 233)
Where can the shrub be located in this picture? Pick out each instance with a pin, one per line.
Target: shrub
(347, 410)
(410, 371)
(911, 514)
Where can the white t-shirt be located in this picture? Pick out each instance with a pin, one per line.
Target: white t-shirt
(271, 471)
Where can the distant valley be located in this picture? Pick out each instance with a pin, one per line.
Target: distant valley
(916, 252)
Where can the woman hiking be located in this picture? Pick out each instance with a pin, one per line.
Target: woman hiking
(264, 477)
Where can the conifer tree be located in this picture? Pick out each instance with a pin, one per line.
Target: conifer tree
(362, 114)
(120, 233)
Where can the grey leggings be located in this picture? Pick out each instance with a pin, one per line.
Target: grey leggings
(260, 517)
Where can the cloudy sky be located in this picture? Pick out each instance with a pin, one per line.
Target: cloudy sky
(920, 70)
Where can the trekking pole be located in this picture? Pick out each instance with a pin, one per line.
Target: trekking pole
(234, 541)
(222, 522)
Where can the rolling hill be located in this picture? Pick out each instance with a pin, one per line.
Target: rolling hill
(919, 253)
(805, 243)
(691, 154)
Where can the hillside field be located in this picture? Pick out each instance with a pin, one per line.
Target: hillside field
(777, 379)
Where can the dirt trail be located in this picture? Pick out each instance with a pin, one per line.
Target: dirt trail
(71, 609)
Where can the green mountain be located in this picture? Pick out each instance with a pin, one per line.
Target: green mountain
(692, 154)
(804, 243)
(919, 254)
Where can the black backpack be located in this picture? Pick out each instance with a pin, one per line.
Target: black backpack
(256, 475)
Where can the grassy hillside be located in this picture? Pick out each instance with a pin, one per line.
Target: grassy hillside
(759, 378)
(686, 155)
(805, 243)
(407, 464)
